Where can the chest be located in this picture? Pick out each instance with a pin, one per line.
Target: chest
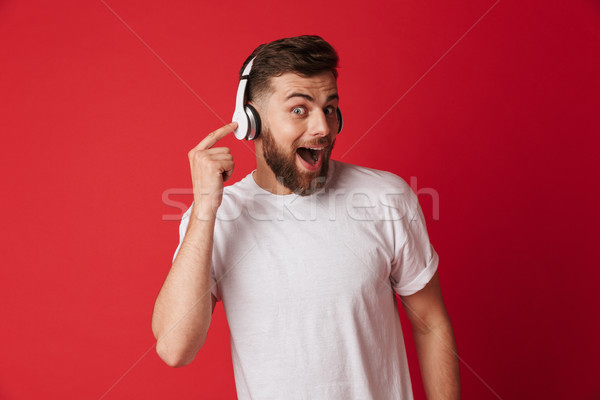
(301, 259)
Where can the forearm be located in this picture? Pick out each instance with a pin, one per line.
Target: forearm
(183, 308)
(438, 362)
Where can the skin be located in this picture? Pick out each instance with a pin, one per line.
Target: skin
(434, 341)
(300, 111)
(185, 304)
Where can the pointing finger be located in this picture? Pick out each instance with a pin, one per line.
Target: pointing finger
(212, 138)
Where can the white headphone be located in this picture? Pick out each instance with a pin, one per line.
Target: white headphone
(247, 117)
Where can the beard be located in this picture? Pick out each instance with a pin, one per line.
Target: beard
(283, 164)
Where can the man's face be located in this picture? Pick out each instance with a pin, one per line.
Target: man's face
(299, 128)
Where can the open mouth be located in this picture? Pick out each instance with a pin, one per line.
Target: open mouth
(312, 155)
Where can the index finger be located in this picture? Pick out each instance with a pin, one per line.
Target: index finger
(212, 138)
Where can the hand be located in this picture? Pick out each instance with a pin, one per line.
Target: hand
(210, 166)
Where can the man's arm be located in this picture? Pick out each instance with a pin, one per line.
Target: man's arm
(184, 306)
(434, 341)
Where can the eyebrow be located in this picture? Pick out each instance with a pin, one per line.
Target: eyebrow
(309, 98)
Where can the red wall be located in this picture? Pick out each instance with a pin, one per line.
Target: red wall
(490, 106)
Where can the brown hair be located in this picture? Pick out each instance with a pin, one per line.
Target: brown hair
(307, 55)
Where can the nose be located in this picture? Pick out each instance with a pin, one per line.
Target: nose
(319, 124)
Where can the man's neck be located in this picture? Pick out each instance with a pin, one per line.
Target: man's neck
(266, 179)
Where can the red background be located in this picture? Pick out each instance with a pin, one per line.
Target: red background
(95, 128)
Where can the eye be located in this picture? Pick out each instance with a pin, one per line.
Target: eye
(299, 110)
(330, 110)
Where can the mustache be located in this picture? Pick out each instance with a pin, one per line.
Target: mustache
(322, 141)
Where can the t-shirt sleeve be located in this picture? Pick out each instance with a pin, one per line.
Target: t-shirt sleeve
(415, 260)
(185, 219)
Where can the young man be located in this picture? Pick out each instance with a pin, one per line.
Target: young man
(305, 253)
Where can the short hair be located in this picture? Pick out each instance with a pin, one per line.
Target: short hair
(306, 55)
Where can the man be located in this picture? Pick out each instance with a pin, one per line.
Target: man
(305, 253)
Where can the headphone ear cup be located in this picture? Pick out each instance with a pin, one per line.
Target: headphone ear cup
(254, 124)
(339, 119)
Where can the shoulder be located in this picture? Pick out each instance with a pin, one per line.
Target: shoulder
(236, 197)
(239, 188)
(372, 186)
(357, 177)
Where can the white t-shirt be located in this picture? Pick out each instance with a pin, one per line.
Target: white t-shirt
(307, 285)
